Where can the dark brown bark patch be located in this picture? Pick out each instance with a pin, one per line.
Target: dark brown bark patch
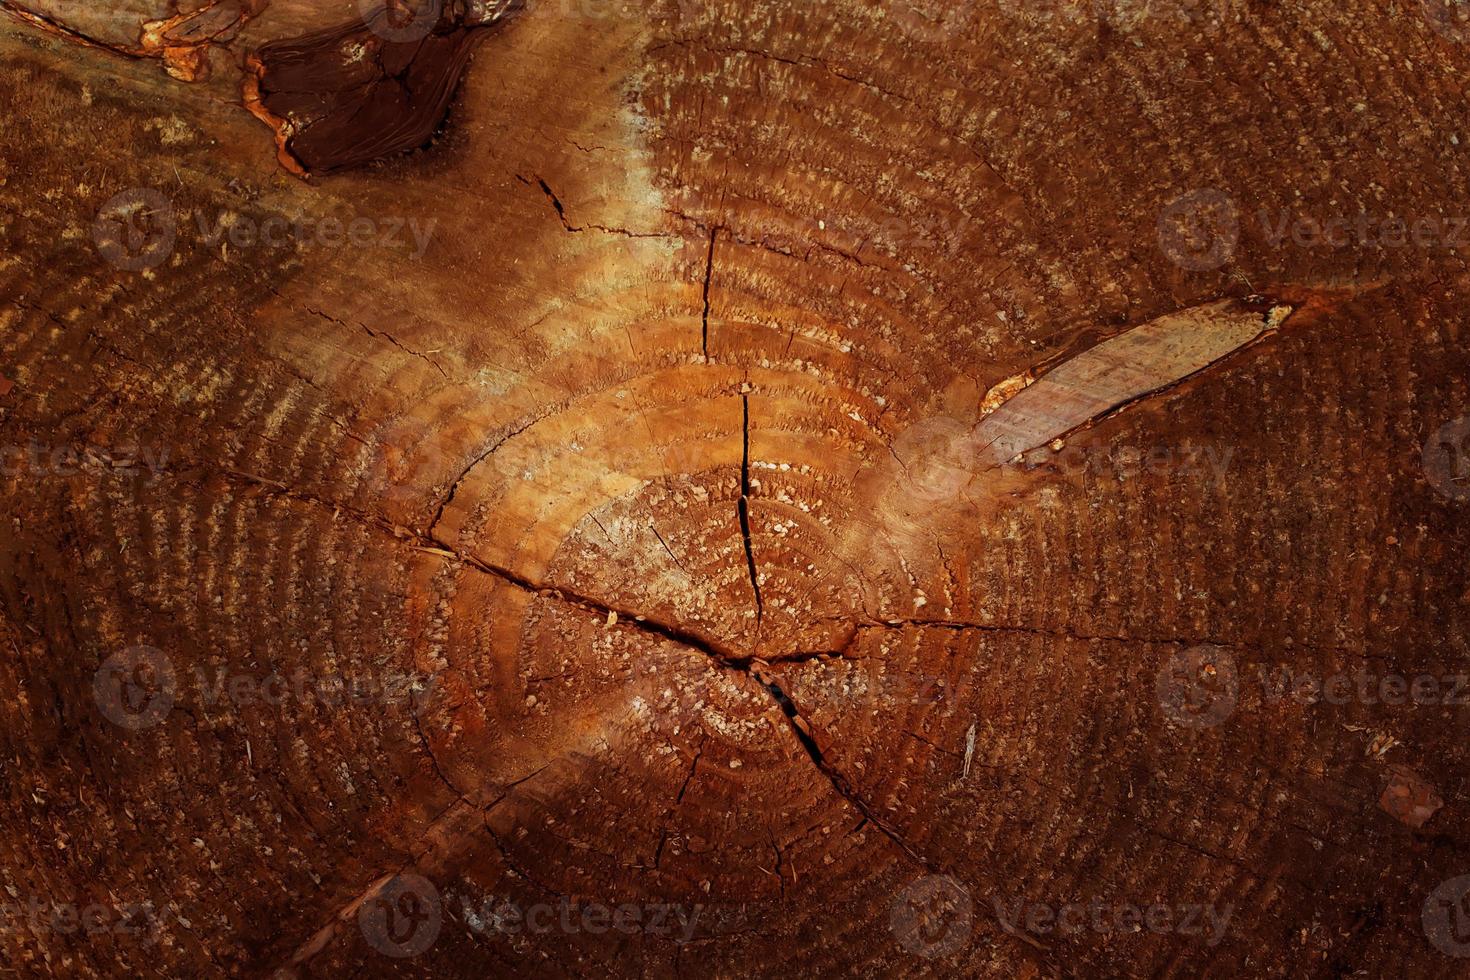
(363, 91)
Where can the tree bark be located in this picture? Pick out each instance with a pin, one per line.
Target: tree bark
(815, 488)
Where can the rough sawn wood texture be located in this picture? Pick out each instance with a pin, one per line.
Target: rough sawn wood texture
(661, 458)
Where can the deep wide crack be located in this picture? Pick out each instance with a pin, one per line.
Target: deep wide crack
(709, 272)
(742, 508)
(840, 784)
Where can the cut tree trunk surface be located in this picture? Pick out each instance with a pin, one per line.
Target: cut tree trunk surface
(789, 488)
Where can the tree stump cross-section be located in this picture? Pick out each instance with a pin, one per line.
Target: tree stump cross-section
(966, 488)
